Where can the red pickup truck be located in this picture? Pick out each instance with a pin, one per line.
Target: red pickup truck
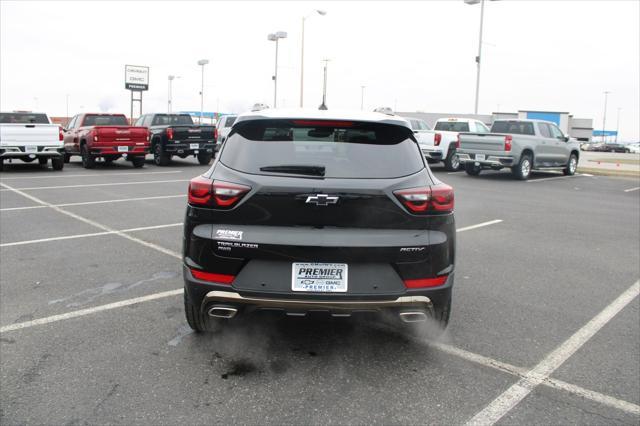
(105, 135)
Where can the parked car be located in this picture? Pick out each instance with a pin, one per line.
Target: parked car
(440, 143)
(522, 145)
(107, 136)
(28, 136)
(176, 134)
(634, 148)
(224, 127)
(613, 147)
(330, 212)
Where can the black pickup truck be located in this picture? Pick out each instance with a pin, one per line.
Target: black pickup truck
(176, 134)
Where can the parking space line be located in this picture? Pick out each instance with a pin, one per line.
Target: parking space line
(554, 178)
(479, 225)
(91, 185)
(57, 175)
(94, 234)
(632, 189)
(93, 223)
(87, 203)
(541, 372)
(82, 312)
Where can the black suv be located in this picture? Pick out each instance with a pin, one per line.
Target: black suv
(303, 213)
(176, 134)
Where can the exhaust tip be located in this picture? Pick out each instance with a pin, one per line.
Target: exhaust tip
(413, 316)
(222, 312)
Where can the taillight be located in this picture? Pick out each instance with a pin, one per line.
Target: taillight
(211, 277)
(425, 282)
(507, 143)
(458, 141)
(215, 134)
(437, 138)
(169, 133)
(435, 199)
(148, 136)
(205, 192)
(60, 134)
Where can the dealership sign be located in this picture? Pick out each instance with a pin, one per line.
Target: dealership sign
(136, 77)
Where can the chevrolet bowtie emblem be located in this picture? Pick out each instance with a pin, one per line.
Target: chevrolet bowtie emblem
(322, 199)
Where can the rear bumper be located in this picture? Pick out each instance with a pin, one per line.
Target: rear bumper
(19, 152)
(115, 150)
(187, 149)
(493, 161)
(432, 153)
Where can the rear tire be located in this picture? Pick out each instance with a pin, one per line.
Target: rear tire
(196, 319)
(204, 158)
(57, 163)
(43, 161)
(88, 161)
(572, 165)
(472, 169)
(67, 158)
(1, 164)
(137, 161)
(452, 162)
(522, 170)
(159, 156)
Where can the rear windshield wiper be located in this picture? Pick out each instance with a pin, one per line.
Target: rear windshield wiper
(293, 169)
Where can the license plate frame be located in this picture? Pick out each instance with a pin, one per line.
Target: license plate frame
(194, 146)
(311, 277)
(481, 157)
(123, 148)
(31, 149)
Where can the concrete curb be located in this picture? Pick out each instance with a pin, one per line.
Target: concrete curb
(609, 172)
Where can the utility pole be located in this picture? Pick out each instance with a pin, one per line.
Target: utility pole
(478, 58)
(202, 63)
(618, 124)
(304, 18)
(275, 37)
(324, 86)
(604, 116)
(362, 98)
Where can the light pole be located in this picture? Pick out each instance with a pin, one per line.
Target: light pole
(170, 97)
(321, 13)
(617, 124)
(275, 37)
(324, 86)
(362, 97)
(478, 58)
(202, 63)
(67, 105)
(604, 116)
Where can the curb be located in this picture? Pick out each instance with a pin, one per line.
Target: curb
(609, 172)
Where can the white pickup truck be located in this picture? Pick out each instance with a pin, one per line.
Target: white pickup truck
(440, 143)
(29, 136)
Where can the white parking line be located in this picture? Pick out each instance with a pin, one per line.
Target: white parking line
(57, 175)
(94, 234)
(82, 312)
(480, 225)
(632, 189)
(91, 185)
(93, 223)
(538, 374)
(554, 178)
(86, 203)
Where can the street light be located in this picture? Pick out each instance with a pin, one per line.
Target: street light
(362, 97)
(604, 116)
(324, 86)
(170, 97)
(304, 18)
(472, 2)
(275, 37)
(202, 63)
(617, 124)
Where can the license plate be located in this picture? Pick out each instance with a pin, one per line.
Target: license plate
(194, 146)
(319, 277)
(30, 149)
(480, 157)
(123, 148)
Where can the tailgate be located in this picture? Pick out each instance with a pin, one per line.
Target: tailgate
(29, 134)
(186, 133)
(481, 142)
(119, 134)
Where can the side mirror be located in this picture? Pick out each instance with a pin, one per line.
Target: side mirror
(415, 131)
(565, 138)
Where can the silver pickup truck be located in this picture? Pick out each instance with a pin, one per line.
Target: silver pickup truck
(521, 145)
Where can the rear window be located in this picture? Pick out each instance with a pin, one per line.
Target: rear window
(105, 120)
(174, 119)
(228, 122)
(513, 127)
(342, 149)
(23, 118)
(452, 126)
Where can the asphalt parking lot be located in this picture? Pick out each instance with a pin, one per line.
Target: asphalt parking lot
(545, 326)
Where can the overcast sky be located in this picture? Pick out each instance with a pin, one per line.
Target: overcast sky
(414, 56)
